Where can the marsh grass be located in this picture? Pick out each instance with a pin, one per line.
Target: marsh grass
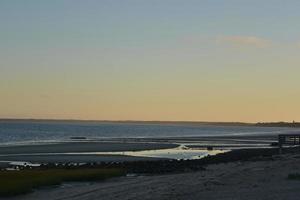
(20, 182)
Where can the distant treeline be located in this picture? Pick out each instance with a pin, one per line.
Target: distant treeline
(279, 124)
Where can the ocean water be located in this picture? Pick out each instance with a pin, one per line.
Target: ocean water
(12, 132)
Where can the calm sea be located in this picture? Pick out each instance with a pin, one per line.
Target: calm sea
(12, 132)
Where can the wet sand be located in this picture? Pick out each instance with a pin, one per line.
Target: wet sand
(79, 147)
(233, 139)
(73, 158)
(49, 153)
(56, 152)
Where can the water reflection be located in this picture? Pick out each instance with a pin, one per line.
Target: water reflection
(181, 152)
(175, 153)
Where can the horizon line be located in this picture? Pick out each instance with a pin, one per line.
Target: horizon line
(142, 121)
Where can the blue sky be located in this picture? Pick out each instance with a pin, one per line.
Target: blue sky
(115, 23)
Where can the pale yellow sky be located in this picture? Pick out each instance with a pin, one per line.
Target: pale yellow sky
(192, 92)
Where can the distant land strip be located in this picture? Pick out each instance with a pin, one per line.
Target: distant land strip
(279, 124)
(195, 123)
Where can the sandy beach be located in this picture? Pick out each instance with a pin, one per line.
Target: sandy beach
(258, 179)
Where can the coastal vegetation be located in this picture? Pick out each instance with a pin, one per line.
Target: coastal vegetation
(19, 182)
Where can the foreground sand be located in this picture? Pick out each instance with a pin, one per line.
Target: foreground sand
(266, 179)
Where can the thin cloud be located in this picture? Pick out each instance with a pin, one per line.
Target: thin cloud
(244, 41)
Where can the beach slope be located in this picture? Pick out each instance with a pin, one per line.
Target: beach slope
(257, 179)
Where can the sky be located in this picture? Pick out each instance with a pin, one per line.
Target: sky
(193, 60)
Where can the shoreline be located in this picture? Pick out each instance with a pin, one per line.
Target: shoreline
(78, 152)
(131, 149)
